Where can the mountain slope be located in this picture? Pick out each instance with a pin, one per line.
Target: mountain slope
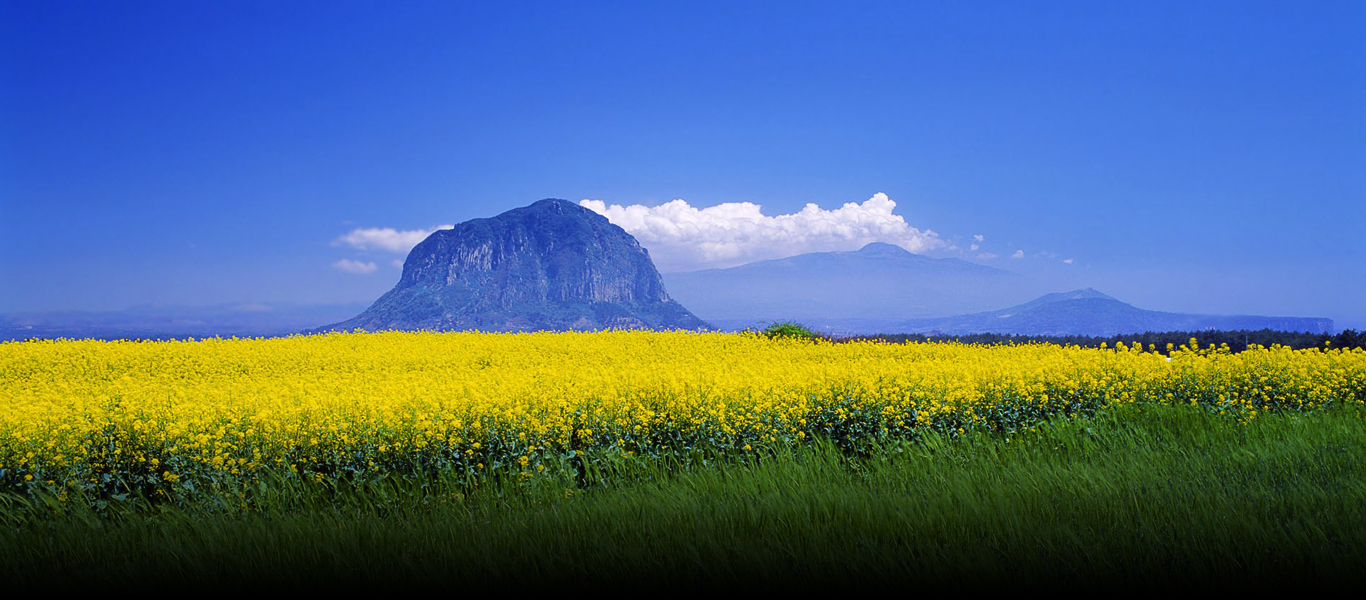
(552, 265)
(878, 284)
(1088, 312)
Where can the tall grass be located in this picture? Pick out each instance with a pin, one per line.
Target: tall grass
(1142, 496)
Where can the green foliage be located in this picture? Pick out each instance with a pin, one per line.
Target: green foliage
(788, 329)
(1139, 496)
(1237, 341)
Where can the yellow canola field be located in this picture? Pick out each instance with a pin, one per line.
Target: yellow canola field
(169, 418)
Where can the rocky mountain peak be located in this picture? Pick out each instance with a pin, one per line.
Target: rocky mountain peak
(552, 265)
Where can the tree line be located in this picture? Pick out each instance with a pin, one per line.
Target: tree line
(1237, 341)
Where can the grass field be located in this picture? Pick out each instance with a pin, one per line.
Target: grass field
(1138, 496)
(214, 420)
(677, 459)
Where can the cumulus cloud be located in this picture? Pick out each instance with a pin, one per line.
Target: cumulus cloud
(973, 248)
(1018, 254)
(1067, 261)
(979, 238)
(681, 236)
(355, 266)
(387, 239)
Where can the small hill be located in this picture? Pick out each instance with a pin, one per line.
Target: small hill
(1089, 312)
(552, 265)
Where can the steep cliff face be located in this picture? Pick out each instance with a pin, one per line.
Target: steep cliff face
(549, 266)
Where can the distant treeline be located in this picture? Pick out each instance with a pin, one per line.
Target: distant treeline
(1237, 340)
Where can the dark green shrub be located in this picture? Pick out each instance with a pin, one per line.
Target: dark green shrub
(788, 329)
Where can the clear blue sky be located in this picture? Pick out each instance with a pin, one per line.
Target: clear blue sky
(1192, 156)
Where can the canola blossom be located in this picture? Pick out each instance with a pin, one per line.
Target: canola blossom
(175, 419)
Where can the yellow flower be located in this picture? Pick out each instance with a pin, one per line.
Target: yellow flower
(393, 401)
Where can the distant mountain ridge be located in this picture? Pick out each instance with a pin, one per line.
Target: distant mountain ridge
(879, 283)
(1091, 313)
(553, 265)
(243, 319)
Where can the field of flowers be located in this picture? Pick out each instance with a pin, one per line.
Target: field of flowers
(177, 420)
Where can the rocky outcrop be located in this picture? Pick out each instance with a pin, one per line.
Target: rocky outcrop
(552, 265)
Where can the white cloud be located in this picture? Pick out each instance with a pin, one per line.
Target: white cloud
(1018, 254)
(355, 266)
(681, 236)
(387, 239)
(973, 248)
(1068, 261)
(979, 238)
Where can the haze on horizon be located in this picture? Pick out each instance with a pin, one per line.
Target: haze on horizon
(1189, 157)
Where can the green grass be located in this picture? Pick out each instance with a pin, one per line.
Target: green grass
(1141, 497)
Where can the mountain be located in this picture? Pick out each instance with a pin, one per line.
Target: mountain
(552, 265)
(866, 290)
(1089, 312)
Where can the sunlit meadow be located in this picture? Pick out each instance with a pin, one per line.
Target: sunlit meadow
(192, 420)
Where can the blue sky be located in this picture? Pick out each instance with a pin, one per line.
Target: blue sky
(1189, 156)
